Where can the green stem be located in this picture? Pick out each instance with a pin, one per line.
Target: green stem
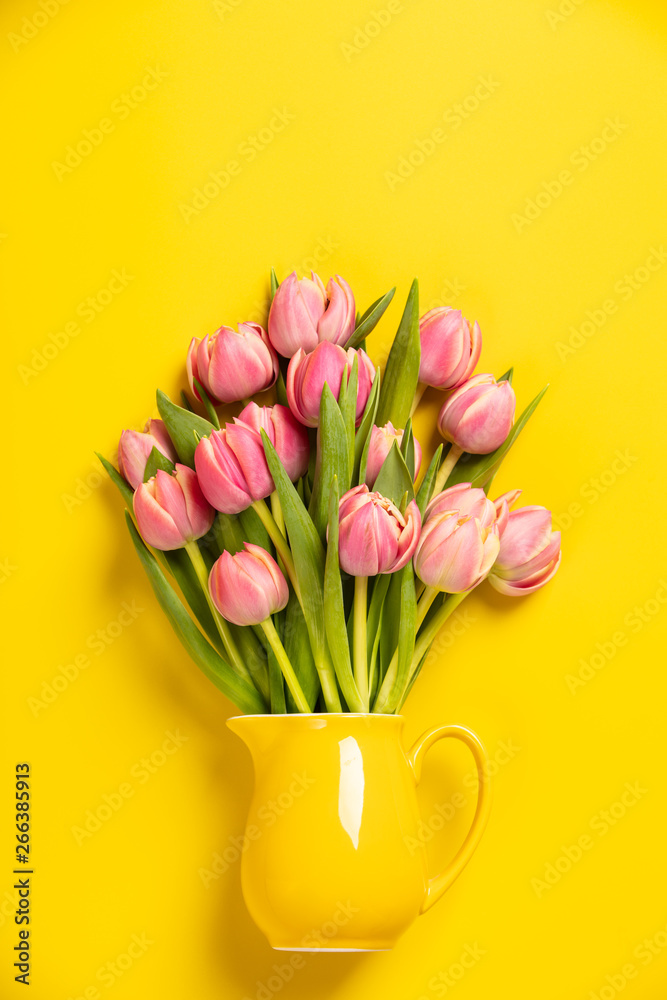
(450, 605)
(427, 598)
(280, 542)
(285, 666)
(237, 663)
(453, 455)
(277, 512)
(421, 389)
(382, 700)
(359, 640)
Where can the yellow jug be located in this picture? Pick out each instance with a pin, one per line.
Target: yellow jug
(330, 862)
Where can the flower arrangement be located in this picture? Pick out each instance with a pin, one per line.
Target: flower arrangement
(301, 553)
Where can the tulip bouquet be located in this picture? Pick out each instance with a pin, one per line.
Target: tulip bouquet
(302, 555)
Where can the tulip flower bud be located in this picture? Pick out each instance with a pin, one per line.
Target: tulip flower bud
(450, 348)
(170, 509)
(303, 313)
(231, 365)
(529, 552)
(459, 541)
(231, 464)
(382, 438)
(247, 587)
(374, 537)
(465, 499)
(135, 447)
(307, 373)
(478, 416)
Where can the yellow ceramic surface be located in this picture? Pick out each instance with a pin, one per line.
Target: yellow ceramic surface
(334, 856)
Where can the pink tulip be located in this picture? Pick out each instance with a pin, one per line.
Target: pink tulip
(374, 536)
(135, 447)
(303, 313)
(231, 463)
(478, 416)
(450, 348)
(459, 541)
(382, 438)
(529, 552)
(307, 373)
(466, 500)
(247, 587)
(170, 509)
(231, 365)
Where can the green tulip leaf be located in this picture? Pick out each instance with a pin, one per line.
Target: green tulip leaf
(394, 479)
(332, 459)
(367, 323)
(402, 372)
(156, 460)
(347, 403)
(181, 568)
(228, 531)
(281, 391)
(507, 377)
(182, 425)
(238, 690)
(253, 530)
(274, 283)
(299, 653)
(408, 447)
(306, 546)
(123, 486)
(334, 611)
(406, 632)
(380, 587)
(276, 685)
(426, 489)
(208, 404)
(363, 434)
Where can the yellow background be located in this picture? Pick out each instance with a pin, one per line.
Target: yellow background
(321, 184)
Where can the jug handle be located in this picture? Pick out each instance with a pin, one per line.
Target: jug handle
(440, 883)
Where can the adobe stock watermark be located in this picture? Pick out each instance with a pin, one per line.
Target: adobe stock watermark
(600, 825)
(456, 626)
(453, 117)
(581, 159)
(605, 651)
(364, 34)
(82, 490)
(87, 310)
(7, 570)
(96, 644)
(645, 954)
(141, 772)
(224, 7)
(450, 291)
(595, 488)
(443, 981)
(565, 10)
(625, 288)
(444, 812)
(268, 814)
(247, 151)
(315, 939)
(117, 967)
(31, 25)
(121, 108)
